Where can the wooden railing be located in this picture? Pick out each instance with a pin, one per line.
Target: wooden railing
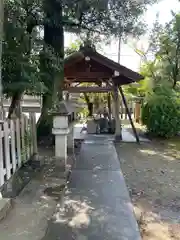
(18, 142)
(134, 109)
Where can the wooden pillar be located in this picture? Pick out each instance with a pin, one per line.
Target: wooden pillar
(118, 130)
(112, 107)
(67, 96)
(109, 105)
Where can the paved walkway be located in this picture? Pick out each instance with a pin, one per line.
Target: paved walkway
(28, 219)
(96, 205)
(127, 136)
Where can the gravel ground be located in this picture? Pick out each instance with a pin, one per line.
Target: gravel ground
(152, 174)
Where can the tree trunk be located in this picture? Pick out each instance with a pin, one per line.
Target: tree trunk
(54, 40)
(1, 40)
(89, 105)
(15, 105)
(44, 124)
(96, 103)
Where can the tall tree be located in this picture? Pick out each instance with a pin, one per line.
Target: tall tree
(108, 17)
(1, 40)
(165, 46)
(164, 67)
(20, 71)
(169, 50)
(52, 62)
(81, 16)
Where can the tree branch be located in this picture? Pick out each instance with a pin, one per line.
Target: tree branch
(79, 26)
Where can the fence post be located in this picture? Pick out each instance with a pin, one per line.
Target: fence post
(34, 133)
(13, 146)
(1, 158)
(22, 137)
(31, 135)
(7, 150)
(26, 135)
(18, 141)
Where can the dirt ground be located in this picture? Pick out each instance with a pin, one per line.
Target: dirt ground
(152, 174)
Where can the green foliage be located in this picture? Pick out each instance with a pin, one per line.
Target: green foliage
(27, 144)
(73, 47)
(136, 89)
(164, 67)
(104, 17)
(24, 21)
(35, 66)
(168, 51)
(20, 71)
(161, 109)
(85, 112)
(144, 87)
(161, 113)
(165, 47)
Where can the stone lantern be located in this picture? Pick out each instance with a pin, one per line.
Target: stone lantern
(61, 130)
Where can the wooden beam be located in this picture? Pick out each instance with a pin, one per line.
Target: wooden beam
(88, 75)
(83, 80)
(88, 89)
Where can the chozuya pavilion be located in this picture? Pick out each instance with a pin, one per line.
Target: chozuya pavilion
(105, 76)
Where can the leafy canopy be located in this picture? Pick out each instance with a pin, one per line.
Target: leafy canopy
(20, 51)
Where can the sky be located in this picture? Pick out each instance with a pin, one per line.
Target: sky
(128, 57)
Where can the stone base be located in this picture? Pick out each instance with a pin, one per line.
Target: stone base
(68, 174)
(70, 150)
(60, 163)
(18, 181)
(118, 138)
(5, 206)
(37, 162)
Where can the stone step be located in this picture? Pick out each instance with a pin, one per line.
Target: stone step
(5, 207)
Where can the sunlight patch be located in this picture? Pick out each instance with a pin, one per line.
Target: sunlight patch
(147, 151)
(80, 220)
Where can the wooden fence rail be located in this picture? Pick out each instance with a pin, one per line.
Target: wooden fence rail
(123, 112)
(18, 143)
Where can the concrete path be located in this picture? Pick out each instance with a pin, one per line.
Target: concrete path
(127, 136)
(28, 219)
(96, 204)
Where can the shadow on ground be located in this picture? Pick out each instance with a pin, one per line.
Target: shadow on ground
(36, 203)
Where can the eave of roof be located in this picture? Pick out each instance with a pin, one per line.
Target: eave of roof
(127, 73)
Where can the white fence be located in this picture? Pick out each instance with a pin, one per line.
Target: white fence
(18, 142)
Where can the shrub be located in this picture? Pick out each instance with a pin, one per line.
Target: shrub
(161, 114)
